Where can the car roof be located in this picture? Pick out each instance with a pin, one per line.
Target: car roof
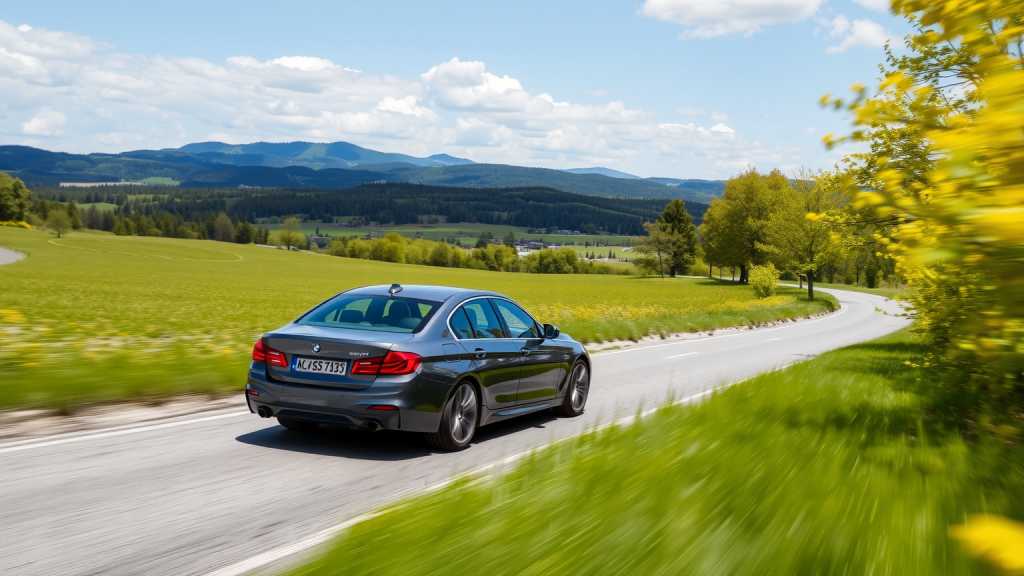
(421, 291)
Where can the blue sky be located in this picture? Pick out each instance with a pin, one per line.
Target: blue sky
(680, 88)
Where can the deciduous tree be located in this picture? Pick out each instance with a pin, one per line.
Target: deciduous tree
(59, 222)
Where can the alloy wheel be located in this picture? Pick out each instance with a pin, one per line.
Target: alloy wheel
(580, 387)
(463, 414)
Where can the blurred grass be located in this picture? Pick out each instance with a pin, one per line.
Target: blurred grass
(95, 317)
(840, 465)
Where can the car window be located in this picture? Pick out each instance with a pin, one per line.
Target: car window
(460, 324)
(483, 320)
(376, 313)
(519, 323)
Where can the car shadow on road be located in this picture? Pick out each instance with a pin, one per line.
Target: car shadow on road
(386, 445)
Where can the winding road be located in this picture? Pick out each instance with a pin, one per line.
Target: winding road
(9, 256)
(220, 492)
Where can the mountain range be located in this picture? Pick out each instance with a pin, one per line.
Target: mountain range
(335, 165)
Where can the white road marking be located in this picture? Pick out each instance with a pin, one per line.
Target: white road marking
(680, 355)
(695, 340)
(68, 439)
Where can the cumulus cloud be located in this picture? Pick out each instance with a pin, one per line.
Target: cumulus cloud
(129, 101)
(45, 123)
(876, 5)
(709, 19)
(867, 33)
(716, 116)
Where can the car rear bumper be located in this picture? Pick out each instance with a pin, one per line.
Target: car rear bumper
(418, 401)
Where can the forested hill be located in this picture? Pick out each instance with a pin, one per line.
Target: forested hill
(398, 203)
(297, 165)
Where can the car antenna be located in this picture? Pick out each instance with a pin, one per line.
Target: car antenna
(395, 289)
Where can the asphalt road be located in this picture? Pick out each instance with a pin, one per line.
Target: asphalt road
(195, 496)
(9, 256)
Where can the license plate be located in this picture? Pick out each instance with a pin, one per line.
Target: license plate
(319, 366)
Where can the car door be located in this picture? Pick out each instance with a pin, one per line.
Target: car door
(497, 358)
(540, 358)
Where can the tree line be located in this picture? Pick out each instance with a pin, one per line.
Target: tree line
(387, 203)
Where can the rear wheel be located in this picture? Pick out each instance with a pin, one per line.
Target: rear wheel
(298, 425)
(458, 420)
(576, 391)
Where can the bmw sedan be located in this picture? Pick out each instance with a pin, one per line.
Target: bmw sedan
(431, 359)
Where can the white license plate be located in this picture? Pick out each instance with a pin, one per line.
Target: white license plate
(319, 366)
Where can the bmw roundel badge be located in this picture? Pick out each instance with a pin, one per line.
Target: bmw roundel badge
(316, 346)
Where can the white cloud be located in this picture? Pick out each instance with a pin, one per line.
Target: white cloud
(123, 101)
(876, 5)
(717, 116)
(867, 33)
(711, 18)
(45, 123)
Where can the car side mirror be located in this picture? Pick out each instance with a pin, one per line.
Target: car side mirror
(551, 332)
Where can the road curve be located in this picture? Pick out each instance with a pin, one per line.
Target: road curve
(9, 256)
(192, 498)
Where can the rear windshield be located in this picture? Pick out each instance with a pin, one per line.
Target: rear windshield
(376, 313)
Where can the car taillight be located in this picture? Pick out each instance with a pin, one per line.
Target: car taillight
(366, 366)
(267, 355)
(394, 364)
(397, 363)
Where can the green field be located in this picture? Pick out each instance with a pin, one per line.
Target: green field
(103, 206)
(159, 181)
(839, 465)
(98, 317)
(467, 232)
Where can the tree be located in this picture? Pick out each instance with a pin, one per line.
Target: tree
(655, 252)
(245, 233)
(510, 240)
(290, 232)
(943, 182)
(59, 222)
(484, 240)
(74, 216)
(223, 229)
(735, 227)
(15, 199)
(677, 221)
(800, 236)
(441, 255)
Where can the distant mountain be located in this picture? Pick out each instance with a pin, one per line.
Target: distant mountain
(325, 166)
(603, 172)
(309, 154)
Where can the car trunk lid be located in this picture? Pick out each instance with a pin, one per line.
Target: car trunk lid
(302, 344)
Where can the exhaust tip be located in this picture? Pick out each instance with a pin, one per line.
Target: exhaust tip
(374, 426)
(265, 412)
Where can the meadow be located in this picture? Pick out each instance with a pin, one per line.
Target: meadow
(467, 232)
(844, 464)
(97, 317)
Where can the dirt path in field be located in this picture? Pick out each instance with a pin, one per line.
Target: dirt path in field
(8, 256)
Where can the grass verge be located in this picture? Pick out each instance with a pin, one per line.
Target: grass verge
(840, 465)
(95, 317)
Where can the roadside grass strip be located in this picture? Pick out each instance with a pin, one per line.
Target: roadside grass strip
(93, 317)
(840, 465)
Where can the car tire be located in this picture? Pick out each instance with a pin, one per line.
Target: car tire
(298, 425)
(459, 420)
(577, 390)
